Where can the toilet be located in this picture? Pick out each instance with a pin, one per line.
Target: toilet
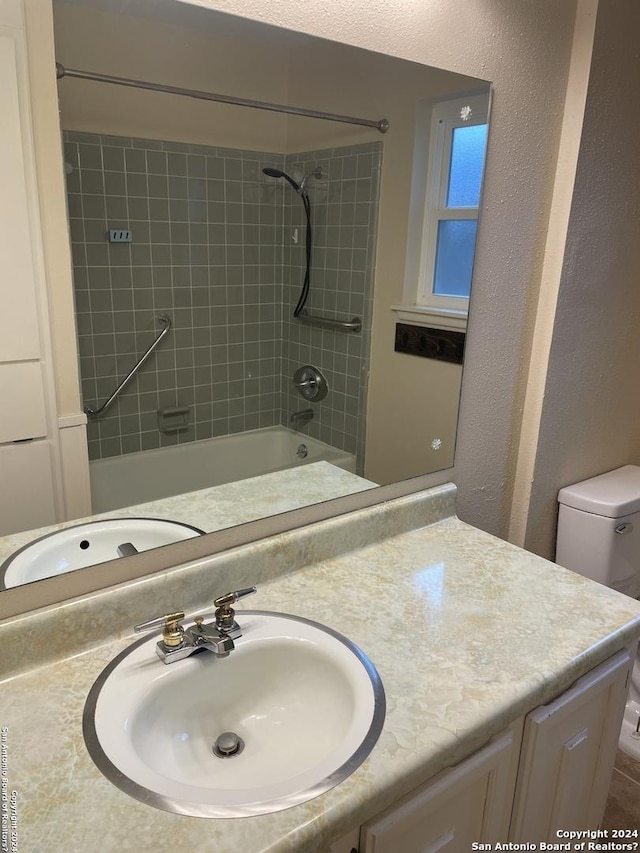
(599, 537)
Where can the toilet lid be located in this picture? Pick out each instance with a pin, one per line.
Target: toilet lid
(613, 495)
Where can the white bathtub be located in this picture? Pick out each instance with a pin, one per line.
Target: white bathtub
(150, 474)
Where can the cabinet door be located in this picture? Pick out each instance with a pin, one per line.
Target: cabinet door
(467, 803)
(19, 337)
(568, 752)
(347, 844)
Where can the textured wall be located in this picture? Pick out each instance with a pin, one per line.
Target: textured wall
(591, 415)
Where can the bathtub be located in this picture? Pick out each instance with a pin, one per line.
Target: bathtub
(135, 478)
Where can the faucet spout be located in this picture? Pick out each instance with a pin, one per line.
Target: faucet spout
(178, 643)
(209, 637)
(302, 416)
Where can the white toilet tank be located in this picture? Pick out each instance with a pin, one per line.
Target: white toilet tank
(599, 529)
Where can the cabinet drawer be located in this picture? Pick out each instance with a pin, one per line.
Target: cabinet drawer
(27, 496)
(22, 412)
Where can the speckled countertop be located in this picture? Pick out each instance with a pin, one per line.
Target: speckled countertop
(227, 505)
(467, 632)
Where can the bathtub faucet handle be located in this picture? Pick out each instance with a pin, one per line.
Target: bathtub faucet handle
(225, 614)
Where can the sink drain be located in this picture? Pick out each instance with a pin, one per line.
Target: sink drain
(228, 745)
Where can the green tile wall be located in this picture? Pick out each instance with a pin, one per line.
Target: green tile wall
(344, 209)
(211, 247)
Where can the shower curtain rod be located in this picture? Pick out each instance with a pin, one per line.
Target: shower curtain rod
(379, 124)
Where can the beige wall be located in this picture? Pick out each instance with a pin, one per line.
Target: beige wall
(590, 420)
(177, 56)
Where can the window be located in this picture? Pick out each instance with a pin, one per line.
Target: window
(448, 168)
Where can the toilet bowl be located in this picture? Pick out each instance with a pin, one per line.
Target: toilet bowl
(599, 537)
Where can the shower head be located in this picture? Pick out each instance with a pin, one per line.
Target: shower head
(298, 187)
(277, 173)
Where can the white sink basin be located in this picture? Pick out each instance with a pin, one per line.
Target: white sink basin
(87, 544)
(308, 705)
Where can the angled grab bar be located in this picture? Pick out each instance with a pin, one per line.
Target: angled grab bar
(94, 413)
(353, 325)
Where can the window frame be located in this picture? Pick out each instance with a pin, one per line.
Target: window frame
(436, 122)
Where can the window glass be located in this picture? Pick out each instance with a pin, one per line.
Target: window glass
(449, 160)
(454, 257)
(467, 161)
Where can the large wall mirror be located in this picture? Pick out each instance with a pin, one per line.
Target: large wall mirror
(190, 222)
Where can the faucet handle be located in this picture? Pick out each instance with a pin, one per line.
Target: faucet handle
(172, 630)
(225, 614)
(232, 597)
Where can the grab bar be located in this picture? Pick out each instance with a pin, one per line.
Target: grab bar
(166, 322)
(353, 325)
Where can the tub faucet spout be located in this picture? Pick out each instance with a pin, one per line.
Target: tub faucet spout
(302, 416)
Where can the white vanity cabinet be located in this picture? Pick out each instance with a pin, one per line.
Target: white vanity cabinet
(463, 804)
(523, 786)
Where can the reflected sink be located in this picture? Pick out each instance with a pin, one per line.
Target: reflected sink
(306, 704)
(85, 545)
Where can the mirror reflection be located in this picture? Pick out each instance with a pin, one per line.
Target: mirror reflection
(259, 293)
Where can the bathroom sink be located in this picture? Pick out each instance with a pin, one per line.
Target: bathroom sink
(85, 545)
(304, 705)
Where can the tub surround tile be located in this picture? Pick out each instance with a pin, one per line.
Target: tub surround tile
(205, 216)
(468, 634)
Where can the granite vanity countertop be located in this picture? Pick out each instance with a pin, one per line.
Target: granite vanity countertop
(467, 632)
(227, 505)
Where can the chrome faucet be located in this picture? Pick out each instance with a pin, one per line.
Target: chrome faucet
(302, 416)
(218, 636)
